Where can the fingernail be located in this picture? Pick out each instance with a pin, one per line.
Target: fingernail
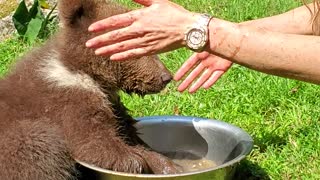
(181, 89)
(89, 44)
(114, 58)
(91, 28)
(177, 76)
(191, 90)
(98, 52)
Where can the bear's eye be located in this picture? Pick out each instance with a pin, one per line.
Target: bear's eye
(78, 14)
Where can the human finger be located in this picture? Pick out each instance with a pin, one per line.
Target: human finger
(190, 78)
(145, 2)
(113, 22)
(111, 37)
(203, 78)
(132, 53)
(187, 65)
(213, 79)
(120, 47)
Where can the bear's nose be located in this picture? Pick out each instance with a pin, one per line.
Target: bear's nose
(166, 78)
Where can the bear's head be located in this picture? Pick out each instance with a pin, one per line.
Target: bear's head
(142, 76)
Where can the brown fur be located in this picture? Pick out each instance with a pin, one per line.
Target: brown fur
(48, 118)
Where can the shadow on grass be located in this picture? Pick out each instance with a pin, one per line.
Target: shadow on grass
(270, 138)
(248, 170)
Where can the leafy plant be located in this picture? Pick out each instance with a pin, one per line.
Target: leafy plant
(32, 23)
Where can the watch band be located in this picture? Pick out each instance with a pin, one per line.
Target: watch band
(203, 20)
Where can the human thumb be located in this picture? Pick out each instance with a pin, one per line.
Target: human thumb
(146, 2)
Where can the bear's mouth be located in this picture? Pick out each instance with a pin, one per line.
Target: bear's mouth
(139, 93)
(143, 89)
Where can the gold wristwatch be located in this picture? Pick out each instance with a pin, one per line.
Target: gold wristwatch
(196, 37)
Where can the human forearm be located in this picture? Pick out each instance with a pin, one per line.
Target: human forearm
(287, 55)
(296, 21)
(142, 32)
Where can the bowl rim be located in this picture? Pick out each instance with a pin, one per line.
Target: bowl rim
(232, 162)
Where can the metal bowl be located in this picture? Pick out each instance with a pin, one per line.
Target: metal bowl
(223, 143)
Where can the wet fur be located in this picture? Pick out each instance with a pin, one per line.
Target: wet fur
(60, 103)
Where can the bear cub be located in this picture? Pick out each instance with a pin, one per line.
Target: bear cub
(60, 103)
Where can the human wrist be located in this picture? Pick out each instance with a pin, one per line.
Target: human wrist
(225, 38)
(196, 35)
(188, 23)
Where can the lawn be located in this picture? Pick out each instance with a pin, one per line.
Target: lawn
(282, 115)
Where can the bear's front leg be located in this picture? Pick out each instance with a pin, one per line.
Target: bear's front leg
(92, 137)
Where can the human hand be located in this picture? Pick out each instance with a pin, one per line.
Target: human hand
(158, 27)
(210, 67)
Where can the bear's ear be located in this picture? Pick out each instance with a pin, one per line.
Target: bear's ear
(72, 12)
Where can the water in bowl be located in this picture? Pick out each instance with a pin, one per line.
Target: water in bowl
(190, 162)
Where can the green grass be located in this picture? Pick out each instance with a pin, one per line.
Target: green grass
(282, 115)
(11, 49)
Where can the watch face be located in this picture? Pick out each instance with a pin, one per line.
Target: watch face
(196, 38)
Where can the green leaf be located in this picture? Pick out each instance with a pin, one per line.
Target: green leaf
(48, 18)
(35, 9)
(21, 18)
(33, 29)
(31, 23)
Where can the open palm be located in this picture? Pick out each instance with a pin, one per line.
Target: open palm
(206, 68)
